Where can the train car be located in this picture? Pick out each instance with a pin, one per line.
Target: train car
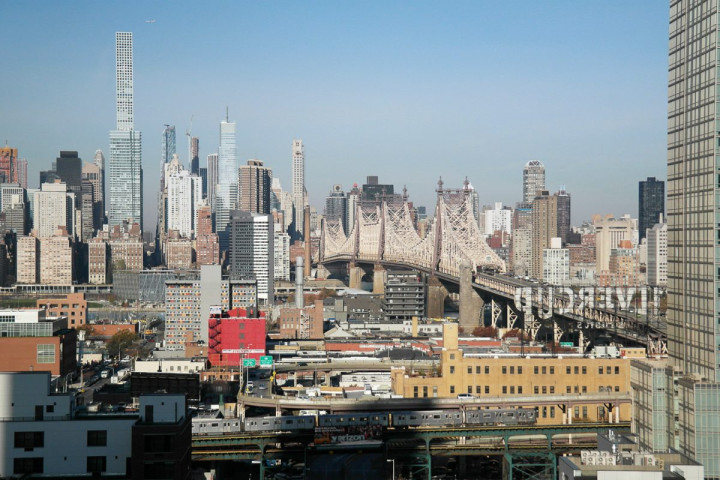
(427, 418)
(279, 424)
(354, 420)
(501, 416)
(216, 426)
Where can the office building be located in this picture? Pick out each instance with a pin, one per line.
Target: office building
(657, 255)
(177, 251)
(124, 169)
(99, 161)
(55, 261)
(336, 207)
(92, 173)
(533, 180)
(98, 255)
(563, 215)
(27, 259)
(251, 251)
(8, 165)
(301, 322)
(299, 194)
(498, 219)
(556, 263)
(207, 245)
(68, 167)
(73, 307)
(13, 204)
(22, 172)
(404, 295)
(226, 188)
(609, 233)
(254, 180)
(651, 204)
(184, 198)
(281, 255)
(353, 200)
(212, 178)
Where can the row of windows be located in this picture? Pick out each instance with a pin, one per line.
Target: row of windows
(537, 370)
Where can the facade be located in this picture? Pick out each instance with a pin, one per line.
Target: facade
(9, 165)
(556, 263)
(657, 255)
(251, 251)
(27, 255)
(281, 254)
(68, 167)
(544, 228)
(168, 144)
(125, 176)
(254, 182)
(177, 252)
(336, 207)
(54, 208)
(92, 174)
(404, 295)
(563, 215)
(533, 180)
(212, 178)
(226, 188)
(73, 306)
(298, 185)
(653, 413)
(98, 254)
(305, 322)
(188, 302)
(651, 204)
(195, 156)
(499, 219)
(235, 335)
(184, 197)
(55, 263)
(12, 202)
(22, 172)
(524, 376)
(609, 233)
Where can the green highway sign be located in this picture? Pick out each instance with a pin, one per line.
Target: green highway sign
(567, 344)
(266, 360)
(248, 362)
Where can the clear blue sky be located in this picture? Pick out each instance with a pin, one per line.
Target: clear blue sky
(407, 90)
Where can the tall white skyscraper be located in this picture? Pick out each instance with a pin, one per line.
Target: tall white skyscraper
(227, 189)
(251, 252)
(533, 180)
(298, 184)
(184, 197)
(124, 179)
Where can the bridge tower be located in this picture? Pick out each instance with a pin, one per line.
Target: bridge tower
(471, 305)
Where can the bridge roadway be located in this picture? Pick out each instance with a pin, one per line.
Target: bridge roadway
(503, 290)
(416, 445)
(371, 403)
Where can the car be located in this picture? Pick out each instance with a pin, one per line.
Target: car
(302, 364)
(262, 387)
(465, 396)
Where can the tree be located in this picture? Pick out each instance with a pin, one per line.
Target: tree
(485, 332)
(120, 342)
(88, 329)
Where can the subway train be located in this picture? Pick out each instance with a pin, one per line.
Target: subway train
(400, 420)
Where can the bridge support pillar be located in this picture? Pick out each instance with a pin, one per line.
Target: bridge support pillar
(355, 273)
(436, 295)
(471, 305)
(379, 279)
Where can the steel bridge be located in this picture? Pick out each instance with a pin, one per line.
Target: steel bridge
(522, 447)
(384, 234)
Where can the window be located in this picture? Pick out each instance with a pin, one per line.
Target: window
(536, 370)
(617, 388)
(452, 369)
(608, 370)
(96, 464)
(568, 389)
(584, 370)
(452, 388)
(552, 389)
(536, 389)
(520, 389)
(519, 370)
(504, 370)
(552, 412)
(504, 389)
(544, 412)
(435, 391)
(584, 389)
(544, 370)
(512, 390)
(27, 465)
(469, 389)
(425, 391)
(617, 370)
(487, 370)
(577, 412)
(584, 412)
(552, 370)
(487, 389)
(477, 370)
(97, 438)
(512, 370)
(452, 356)
(567, 370)
(576, 370)
(469, 369)
(600, 370)
(29, 439)
(415, 391)
(576, 389)
(478, 389)
(45, 353)
(544, 390)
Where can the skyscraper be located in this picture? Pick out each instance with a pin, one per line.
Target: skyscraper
(22, 172)
(68, 167)
(99, 160)
(693, 311)
(544, 227)
(255, 181)
(8, 165)
(195, 156)
(168, 143)
(184, 198)
(212, 178)
(651, 203)
(251, 251)
(298, 184)
(124, 200)
(336, 206)
(563, 214)
(533, 180)
(226, 190)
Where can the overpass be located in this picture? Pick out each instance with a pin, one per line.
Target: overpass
(454, 254)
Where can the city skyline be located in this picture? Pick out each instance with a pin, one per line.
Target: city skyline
(450, 92)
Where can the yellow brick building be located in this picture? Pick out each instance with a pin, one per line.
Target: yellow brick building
(565, 378)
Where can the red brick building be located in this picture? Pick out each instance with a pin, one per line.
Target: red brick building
(74, 307)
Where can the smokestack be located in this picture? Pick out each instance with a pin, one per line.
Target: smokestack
(299, 298)
(306, 222)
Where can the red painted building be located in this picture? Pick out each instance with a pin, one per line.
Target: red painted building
(235, 335)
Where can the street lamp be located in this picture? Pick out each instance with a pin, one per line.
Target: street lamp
(393, 466)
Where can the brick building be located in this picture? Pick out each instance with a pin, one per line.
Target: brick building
(74, 307)
(235, 335)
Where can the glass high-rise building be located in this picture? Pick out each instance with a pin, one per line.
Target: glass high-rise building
(693, 217)
(651, 204)
(125, 177)
(168, 144)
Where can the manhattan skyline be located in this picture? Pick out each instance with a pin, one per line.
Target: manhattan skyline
(409, 92)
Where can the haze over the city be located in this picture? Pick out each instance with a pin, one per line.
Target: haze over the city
(405, 90)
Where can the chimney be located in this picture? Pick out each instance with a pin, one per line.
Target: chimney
(299, 299)
(306, 230)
